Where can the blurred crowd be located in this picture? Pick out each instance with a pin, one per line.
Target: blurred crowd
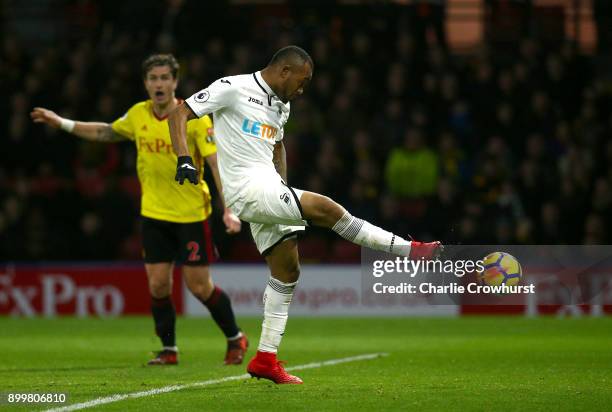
(502, 145)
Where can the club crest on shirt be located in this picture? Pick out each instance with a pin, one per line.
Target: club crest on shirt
(202, 96)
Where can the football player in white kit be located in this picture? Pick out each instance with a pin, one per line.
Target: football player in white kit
(249, 112)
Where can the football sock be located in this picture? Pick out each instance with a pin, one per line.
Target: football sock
(220, 308)
(365, 234)
(164, 316)
(235, 337)
(276, 300)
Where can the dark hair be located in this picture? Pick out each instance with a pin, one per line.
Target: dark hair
(160, 60)
(289, 53)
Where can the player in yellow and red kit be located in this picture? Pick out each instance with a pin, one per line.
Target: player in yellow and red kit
(174, 218)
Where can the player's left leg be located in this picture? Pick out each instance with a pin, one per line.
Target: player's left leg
(322, 211)
(200, 284)
(197, 253)
(283, 261)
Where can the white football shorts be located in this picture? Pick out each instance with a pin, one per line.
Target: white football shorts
(273, 211)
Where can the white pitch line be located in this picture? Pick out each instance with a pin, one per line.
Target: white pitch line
(173, 388)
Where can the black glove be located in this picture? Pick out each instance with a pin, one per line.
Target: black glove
(186, 170)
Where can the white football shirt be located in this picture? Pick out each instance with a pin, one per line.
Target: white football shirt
(248, 121)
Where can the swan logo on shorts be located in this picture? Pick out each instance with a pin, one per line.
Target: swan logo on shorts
(202, 96)
(285, 198)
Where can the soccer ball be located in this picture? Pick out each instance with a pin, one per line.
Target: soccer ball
(500, 269)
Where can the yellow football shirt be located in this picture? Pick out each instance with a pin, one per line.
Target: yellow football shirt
(162, 198)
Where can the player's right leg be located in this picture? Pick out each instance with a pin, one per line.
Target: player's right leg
(159, 276)
(158, 255)
(322, 211)
(283, 261)
(276, 203)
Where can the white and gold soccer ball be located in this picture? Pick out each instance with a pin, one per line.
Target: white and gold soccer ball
(500, 268)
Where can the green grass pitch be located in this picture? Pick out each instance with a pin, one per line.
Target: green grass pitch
(473, 363)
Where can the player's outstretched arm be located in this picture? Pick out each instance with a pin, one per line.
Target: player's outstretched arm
(94, 131)
(177, 122)
(231, 221)
(279, 157)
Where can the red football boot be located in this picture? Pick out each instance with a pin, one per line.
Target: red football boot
(165, 357)
(265, 365)
(235, 350)
(425, 250)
